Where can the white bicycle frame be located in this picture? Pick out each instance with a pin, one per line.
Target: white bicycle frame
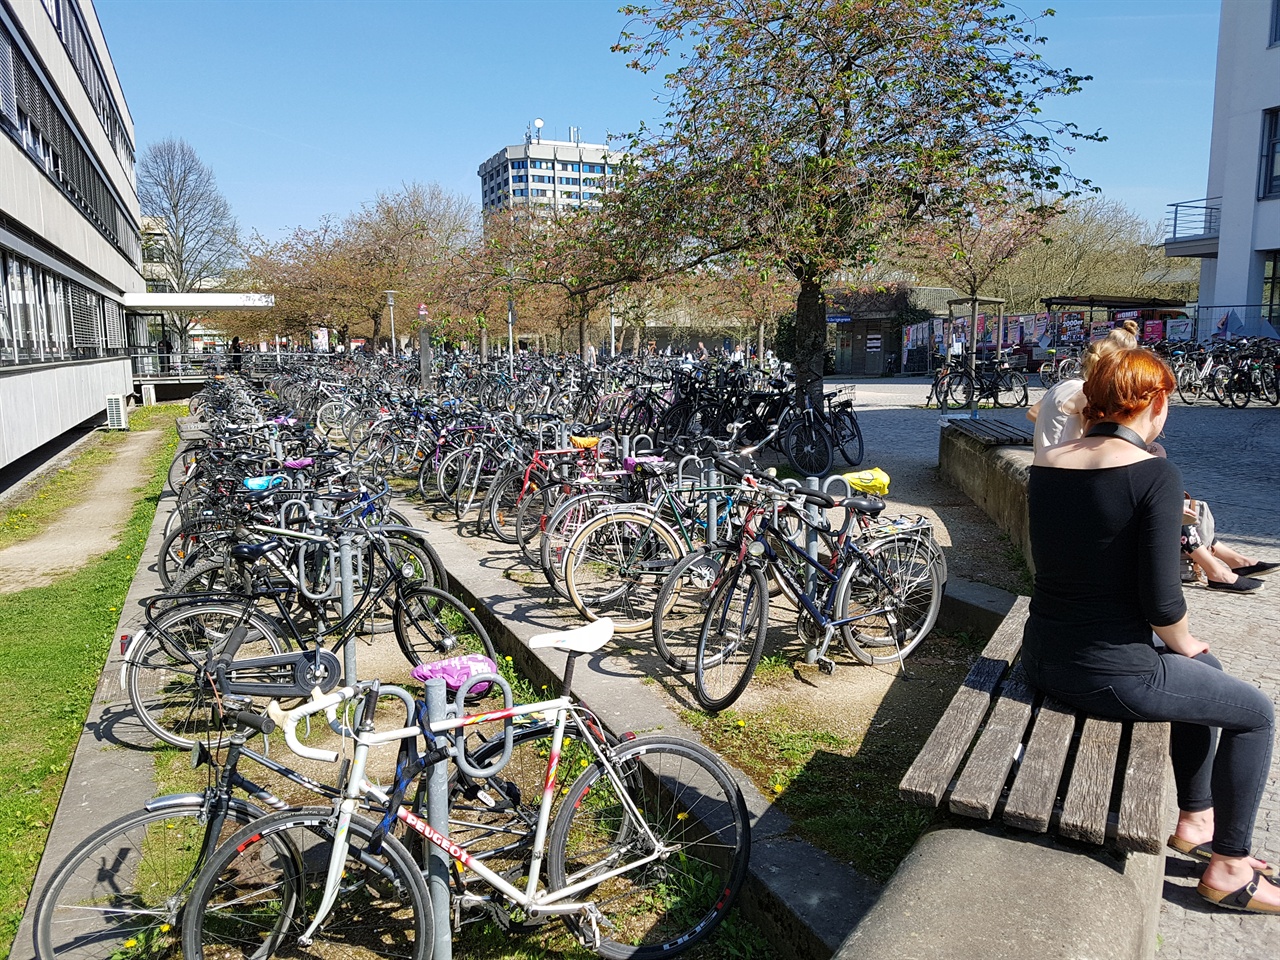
(535, 903)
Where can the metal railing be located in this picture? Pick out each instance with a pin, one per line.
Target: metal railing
(1193, 219)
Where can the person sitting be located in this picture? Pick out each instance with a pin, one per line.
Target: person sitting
(1058, 418)
(1104, 517)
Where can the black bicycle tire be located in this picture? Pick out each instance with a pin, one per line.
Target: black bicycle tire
(101, 846)
(402, 875)
(712, 646)
(713, 846)
(809, 435)
(850, 438)
(681, 605)
(423, 634)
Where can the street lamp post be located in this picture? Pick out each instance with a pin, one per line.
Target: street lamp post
(391, 306)
(424, 334)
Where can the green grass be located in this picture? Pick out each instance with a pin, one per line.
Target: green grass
(53, 643)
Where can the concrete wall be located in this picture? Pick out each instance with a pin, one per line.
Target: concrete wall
(38, 404)
(994, 478)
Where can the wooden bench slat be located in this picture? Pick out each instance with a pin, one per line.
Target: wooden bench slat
(978, 790)
(930, 774)
(1088, 800)
(1032, 796)
(1140, 823)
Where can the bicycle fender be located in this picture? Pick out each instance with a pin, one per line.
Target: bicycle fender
(174, 800)
(128, 655)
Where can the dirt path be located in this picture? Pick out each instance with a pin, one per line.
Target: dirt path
(86, 530)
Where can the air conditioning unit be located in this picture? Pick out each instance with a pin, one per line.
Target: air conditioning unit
(117, 413)
(148, 394)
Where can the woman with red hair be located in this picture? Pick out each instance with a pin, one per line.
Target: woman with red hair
(1105, 519)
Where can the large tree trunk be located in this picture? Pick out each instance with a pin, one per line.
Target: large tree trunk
(583, 312)
(811, 337)
(484, 342)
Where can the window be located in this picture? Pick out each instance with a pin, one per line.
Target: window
(1275, 22)
(519, 164)
(520, 178)
(1271, 154)
(1271, 287)
(570, 167)
(539, 193)
(568, 181)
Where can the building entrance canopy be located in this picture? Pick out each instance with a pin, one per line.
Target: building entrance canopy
(198, 302)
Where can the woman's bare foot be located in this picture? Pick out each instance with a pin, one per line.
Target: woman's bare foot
(1196, 827)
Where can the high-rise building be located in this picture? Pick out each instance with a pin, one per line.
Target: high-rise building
(1235, 229)
(553, 173)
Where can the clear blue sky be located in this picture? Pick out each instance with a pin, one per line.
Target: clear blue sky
(310, 107)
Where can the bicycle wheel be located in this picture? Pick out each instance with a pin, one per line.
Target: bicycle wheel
(1240, 388)
(165, 674)
(615, 566)
(129, 881)
(682, 604)
(960, 387)
(1047, 373)
(807, 446)
(1011, 389)
(732, 636)
(1269, 387)
(258, 893)
(672, 793)
(848, 437)
(900, 606)
(433, 625)
(531, 519)
(1189, 384)
(568, 517)
(503, 505)
(1219, 378)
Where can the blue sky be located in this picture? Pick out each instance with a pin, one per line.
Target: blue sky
(310, 107)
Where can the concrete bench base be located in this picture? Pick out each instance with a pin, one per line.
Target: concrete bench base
(976, 894)
(993, 477)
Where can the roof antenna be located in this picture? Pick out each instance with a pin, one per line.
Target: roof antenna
(537, 123)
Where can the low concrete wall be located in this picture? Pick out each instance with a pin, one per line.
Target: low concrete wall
(979, 894)
(40, 403)
(994, 478)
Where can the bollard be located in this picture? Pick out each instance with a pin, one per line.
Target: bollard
(348, 602)
(626, 445)
(438, 817)
(712, 480)
(811, 548)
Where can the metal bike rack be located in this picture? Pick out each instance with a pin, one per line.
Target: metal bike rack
(438, 816)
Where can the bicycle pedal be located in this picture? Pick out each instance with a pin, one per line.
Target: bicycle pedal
(826, 665)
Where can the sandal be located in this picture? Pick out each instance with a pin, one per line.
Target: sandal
(1241, 899)
(1204, 851)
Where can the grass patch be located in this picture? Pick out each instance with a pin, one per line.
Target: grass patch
(1013, 558)
(841, 794)
(53, 643)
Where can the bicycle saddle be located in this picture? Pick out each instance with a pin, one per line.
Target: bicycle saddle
(871, 506)
(253, 551)
(586, 639)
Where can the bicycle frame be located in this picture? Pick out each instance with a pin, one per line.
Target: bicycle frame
(535, 903)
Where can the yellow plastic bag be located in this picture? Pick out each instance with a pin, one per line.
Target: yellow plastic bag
(874, 481)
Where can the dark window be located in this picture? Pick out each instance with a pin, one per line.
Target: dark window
(1275, 21)
(1271, 154)
(1271, 286)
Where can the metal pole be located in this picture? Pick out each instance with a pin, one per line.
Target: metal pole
(348, 590)
(511, 339)
(811, 548)
(613, 331)
(713, 513)
(438, 816)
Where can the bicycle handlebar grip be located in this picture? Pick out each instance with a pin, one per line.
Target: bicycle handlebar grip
(821, 499)
(255, 721)
(460, 741)
(729, 467)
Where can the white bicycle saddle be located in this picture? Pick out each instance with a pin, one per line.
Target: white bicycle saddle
(586, 639)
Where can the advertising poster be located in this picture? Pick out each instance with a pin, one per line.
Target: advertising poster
(1179, 328)
(1153, 330)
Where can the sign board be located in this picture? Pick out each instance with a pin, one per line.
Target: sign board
(422, 309)
(839, 318)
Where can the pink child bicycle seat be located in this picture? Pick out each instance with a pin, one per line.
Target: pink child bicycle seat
(456, 671)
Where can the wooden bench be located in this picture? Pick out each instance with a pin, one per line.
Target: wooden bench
(1038, 764)
(993, 433)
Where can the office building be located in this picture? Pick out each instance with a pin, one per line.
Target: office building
(554, 173)
(1235, 229)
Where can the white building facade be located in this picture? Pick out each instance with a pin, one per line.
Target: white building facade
(553, 173)
(69, 223)
(1235, 230)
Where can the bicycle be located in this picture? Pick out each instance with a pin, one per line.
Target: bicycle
(645, 855)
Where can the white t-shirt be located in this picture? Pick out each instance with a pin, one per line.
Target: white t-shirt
(1055, 423)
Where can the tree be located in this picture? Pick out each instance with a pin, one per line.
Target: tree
(812, 133)
(1092, 246)
(199, 242)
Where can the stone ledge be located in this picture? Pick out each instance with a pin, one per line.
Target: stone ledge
(982, 894)
(993, 477)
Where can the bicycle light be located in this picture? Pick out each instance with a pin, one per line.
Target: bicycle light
(756, 549)
(124, 643)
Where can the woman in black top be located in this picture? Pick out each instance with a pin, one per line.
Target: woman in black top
(1105, 517)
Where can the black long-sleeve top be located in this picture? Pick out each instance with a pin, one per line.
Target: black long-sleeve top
(1106, 549)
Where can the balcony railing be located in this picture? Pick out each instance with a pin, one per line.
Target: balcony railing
(1193, 220)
